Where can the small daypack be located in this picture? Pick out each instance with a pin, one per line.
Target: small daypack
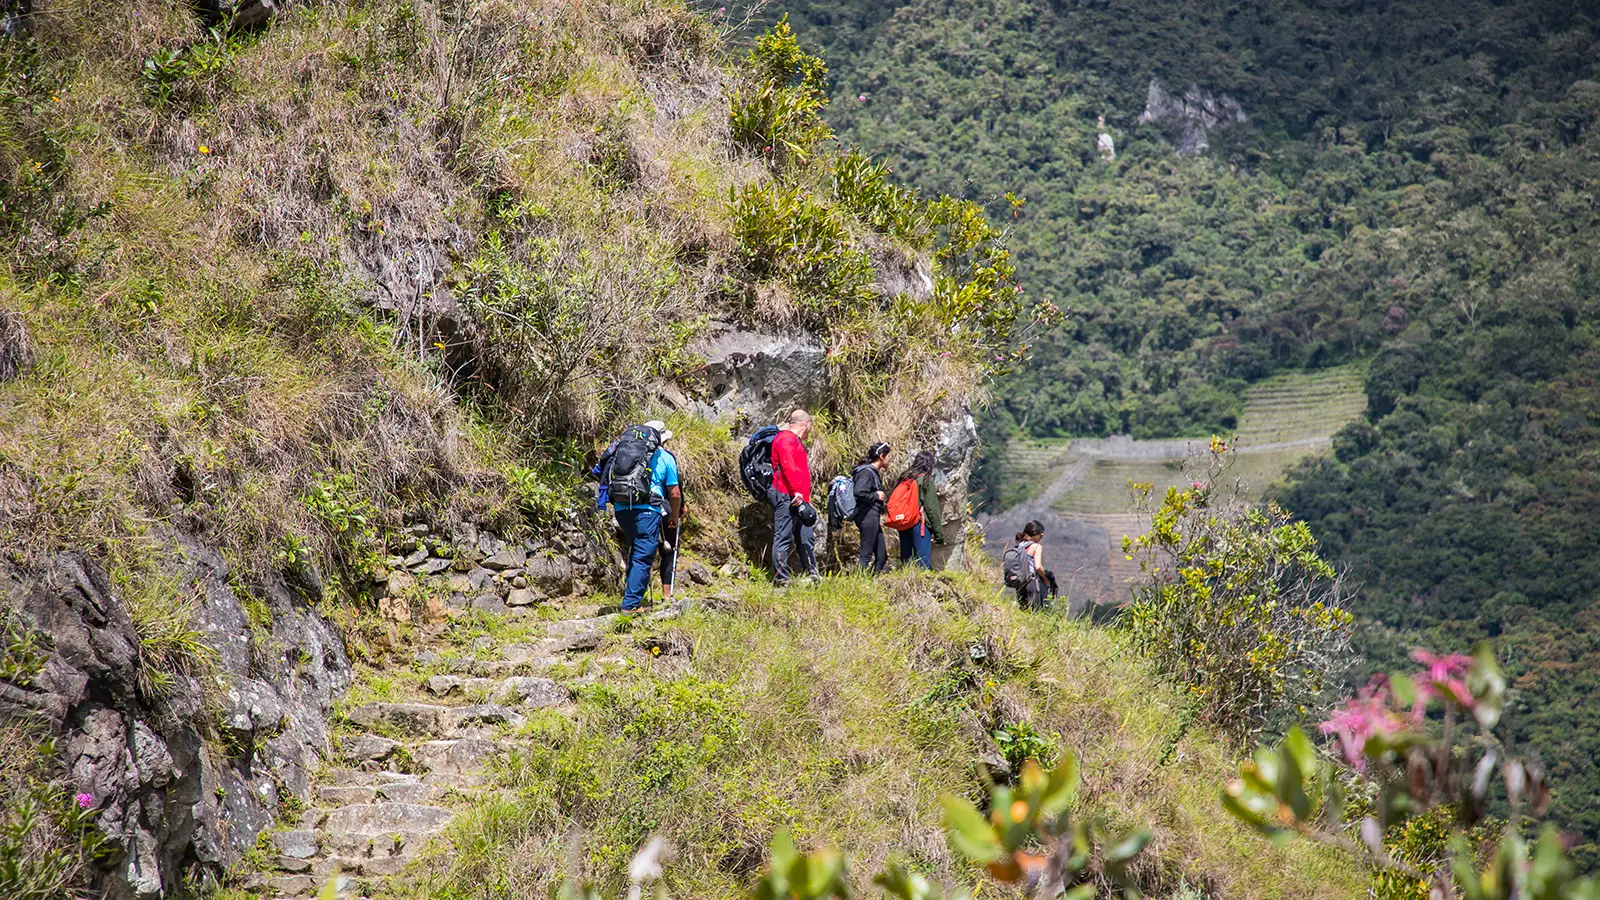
(841, 500)
(755, 462)
(905, 506)
(627, 474)
(1017, 566)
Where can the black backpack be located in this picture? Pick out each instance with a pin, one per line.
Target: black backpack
(627, 473)
(1017, 567)
(755, 462)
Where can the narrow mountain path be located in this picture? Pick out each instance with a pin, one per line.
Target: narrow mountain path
(404, 768)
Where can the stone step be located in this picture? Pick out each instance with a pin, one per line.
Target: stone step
(528, 692)
(458, 757)
(432, 719)
(397, 792)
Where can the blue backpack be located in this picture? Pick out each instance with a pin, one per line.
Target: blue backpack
(841, 500)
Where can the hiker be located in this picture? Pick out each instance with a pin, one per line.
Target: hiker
(917, 540)
(790, 496)
(1023, 566)
(672, 532)
(867, 486)
(641, 481)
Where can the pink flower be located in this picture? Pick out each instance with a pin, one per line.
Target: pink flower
(1365, 715)
(1443, 668)
(862, 98)
(85, 801)
(1196, 485)
(1444, 680)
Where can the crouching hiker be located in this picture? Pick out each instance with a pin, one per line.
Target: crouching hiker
(916, 488)
(640, 478)
(867, 487)
(1023, 566)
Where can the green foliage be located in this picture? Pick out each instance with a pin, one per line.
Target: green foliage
(345, 510)
(784, 232)
(569, 330)
(165, 616)
(181, 73)
(1235, 604)
(863, 187)
(777, 112)
(1424, 777)
(1020, 742)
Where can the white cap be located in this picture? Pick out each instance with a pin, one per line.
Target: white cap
(660, 426)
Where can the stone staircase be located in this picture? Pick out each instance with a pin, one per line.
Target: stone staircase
(397, 780)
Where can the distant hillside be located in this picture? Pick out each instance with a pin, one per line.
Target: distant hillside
(1412, 182)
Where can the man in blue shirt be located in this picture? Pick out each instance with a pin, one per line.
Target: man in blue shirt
(642, 522)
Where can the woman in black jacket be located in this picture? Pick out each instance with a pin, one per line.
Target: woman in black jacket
(868, 487)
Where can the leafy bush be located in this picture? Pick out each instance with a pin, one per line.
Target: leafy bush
(863, 187)
(342, 504)
(1234, 603)
(777, 112)
(567, 331)
(784, 232)
(1420, 777)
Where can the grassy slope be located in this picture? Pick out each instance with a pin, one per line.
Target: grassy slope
(844, 711)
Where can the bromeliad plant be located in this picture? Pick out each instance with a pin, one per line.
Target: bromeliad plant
(1027, 841)
(1416, 745)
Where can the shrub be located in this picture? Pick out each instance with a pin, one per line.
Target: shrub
(784, 232)
(567, 331)
(1234, 603)
(778, 111)
(1424, 833)
(864, 188)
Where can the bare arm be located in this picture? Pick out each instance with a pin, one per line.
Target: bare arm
(674, 505)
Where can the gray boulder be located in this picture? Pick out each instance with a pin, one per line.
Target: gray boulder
(757, 375)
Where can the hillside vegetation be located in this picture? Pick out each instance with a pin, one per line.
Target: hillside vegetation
(315, 295)
(1415, 186)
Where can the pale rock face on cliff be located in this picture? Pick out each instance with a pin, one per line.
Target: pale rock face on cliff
(1190, 116)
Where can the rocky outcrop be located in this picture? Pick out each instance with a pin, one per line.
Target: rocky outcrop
(472, 568)
(956, 449)
(1189, 117)
(188, 767)
(756, 376)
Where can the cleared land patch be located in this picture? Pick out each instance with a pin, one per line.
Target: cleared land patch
(1080, 490)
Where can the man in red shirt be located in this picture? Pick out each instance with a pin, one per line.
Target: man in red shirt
(791, 486)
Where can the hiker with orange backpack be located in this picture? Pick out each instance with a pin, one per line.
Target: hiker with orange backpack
(914, 511)
(868, 488)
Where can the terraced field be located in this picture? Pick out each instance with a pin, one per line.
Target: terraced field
(1081, 490)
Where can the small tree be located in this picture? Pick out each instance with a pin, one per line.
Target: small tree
(1235, 604)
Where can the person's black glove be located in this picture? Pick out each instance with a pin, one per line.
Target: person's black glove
(1050, 579)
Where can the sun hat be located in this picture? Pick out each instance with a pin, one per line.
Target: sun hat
(660, 426)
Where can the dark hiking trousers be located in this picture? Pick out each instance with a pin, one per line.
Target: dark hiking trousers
(789, 535)
(874, 555)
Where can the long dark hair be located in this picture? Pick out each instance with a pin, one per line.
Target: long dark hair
(1031, 530)
(921, 464)
(873, 452)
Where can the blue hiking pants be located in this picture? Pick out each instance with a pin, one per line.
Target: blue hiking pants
(641, 525)
(917, 541)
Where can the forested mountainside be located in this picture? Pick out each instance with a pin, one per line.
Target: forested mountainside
(1412, 184)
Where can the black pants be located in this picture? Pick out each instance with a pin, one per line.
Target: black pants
(789, 535)
(874, 551)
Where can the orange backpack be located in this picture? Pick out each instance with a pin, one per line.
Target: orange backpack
(905, 507)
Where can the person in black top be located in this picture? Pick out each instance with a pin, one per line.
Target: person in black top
(868, 486)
